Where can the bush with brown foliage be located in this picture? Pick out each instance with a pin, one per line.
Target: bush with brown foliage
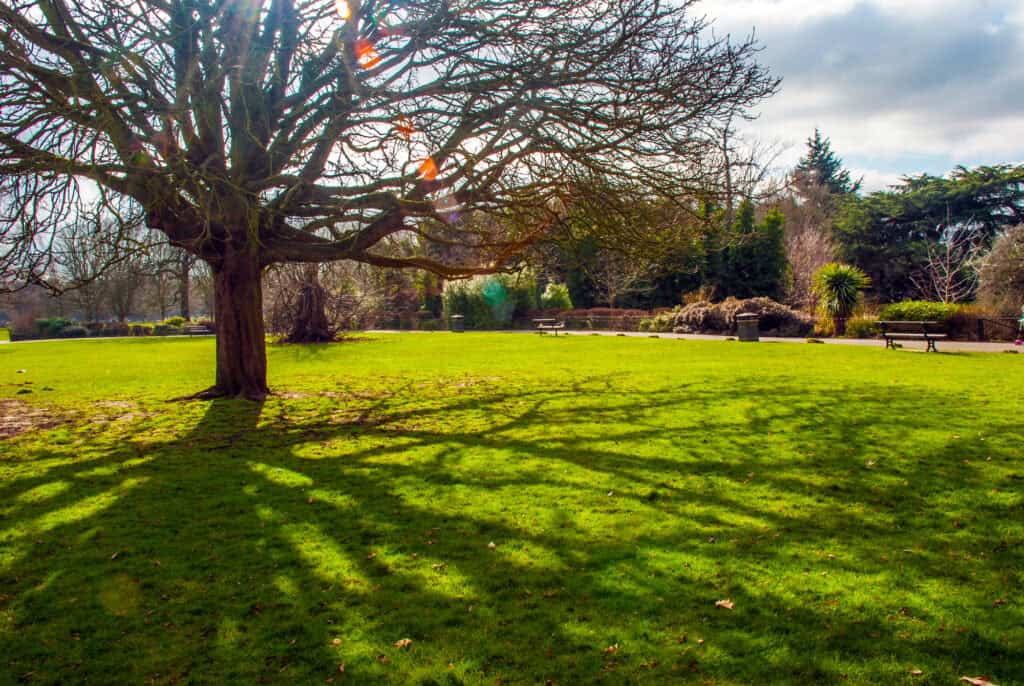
(720, 318)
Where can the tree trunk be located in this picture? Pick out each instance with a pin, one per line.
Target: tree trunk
(311, 324)
(184, 285)
(241, 346)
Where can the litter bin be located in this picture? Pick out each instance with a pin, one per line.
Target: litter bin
(746, 327)
(458, 323)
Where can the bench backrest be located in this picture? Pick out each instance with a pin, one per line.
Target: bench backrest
(912, 327)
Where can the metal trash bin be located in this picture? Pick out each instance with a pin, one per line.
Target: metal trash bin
(747, 327)
(457, 324)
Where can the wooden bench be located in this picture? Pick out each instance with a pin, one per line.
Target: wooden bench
(198, 330)
(912, 331)
(545, 325)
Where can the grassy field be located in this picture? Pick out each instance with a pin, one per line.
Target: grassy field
(513, 509)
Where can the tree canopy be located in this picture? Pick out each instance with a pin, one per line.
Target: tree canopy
(254, 132)
(888, 233)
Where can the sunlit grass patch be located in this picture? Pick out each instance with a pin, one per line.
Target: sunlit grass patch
(520, 509)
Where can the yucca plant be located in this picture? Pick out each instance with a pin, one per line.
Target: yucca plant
(839, 286)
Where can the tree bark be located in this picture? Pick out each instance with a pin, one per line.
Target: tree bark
(184, 284)
(241, 345)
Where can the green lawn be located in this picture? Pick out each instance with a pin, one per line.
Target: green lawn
(860, 508)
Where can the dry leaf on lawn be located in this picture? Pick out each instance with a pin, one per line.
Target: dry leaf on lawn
(404, 643)
(977, 681)
(727, 604)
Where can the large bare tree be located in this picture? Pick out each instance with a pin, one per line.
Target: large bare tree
(254, 132)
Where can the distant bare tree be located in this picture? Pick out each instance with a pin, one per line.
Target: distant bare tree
(1001, 282)
(97, 261)
(616, 274)
(950, 274)
(808, 209)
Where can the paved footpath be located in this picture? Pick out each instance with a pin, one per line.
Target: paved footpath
(944, 346)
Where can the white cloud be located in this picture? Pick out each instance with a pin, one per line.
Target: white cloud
(900, 86)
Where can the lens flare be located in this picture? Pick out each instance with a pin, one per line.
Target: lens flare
(366, 55)
(428, 169)
(343, 10)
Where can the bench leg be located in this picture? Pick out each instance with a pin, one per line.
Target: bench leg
(931, 346)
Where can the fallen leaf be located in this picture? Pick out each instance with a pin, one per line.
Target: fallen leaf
(371, 556)
(977, 681)
(700, 641)
(611, 649)
(916, 672)
(341, 667)
(727, 604)
(492, 545)
(403, 643)
(336, 642)
(383, 659)
(310, 501)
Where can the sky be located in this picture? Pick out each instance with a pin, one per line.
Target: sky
(899, 86)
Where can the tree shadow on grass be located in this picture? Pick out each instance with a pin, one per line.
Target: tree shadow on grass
(276, 543)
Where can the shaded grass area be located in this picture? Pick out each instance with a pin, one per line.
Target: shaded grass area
(860, 508)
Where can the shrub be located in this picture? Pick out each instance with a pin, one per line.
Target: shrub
(166, 330)
(117, 329)
(491, 302)
(839, 287)
(862, 327)
(919, 311)
(664, 322)
(175, 321)
(74, 331)
(556, 297)
(141, 329)
(51, 327)
(775, 318)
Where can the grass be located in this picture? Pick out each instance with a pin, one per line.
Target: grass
(860, 508)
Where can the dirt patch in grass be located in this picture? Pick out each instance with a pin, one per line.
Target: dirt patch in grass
(17, 417)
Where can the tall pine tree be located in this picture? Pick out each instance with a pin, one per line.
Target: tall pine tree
(822, 167)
